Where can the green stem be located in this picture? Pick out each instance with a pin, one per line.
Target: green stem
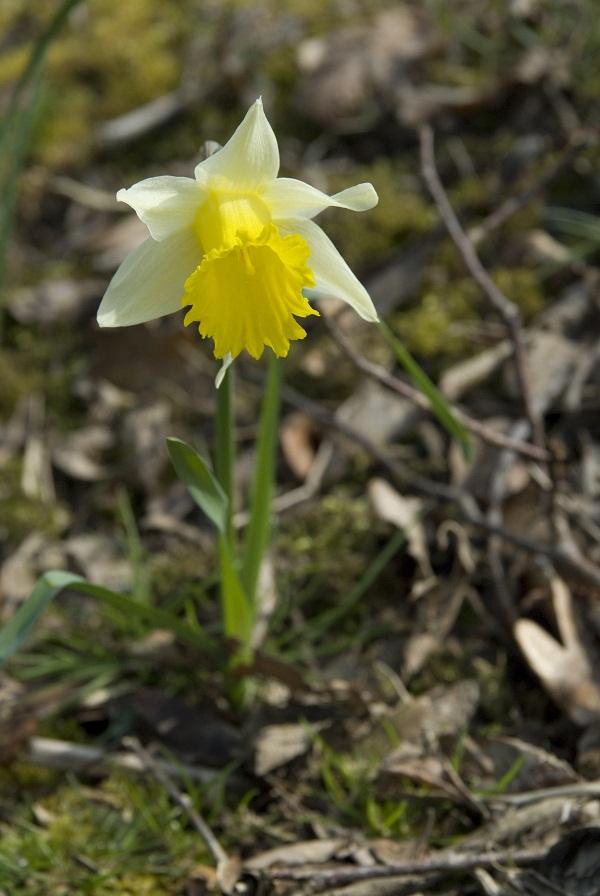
(236, 609)
(225, 446)
(259, 527)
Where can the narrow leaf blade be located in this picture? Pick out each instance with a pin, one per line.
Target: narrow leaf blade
(438, 403)
(238, 618)
(258, 530)
(201, 482)
(50, 586)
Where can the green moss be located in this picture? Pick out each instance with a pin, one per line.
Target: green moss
(522, 286)
(184, 574)
(16, 382)
(321, 556)
(439, 326)
(123, 838)
(110, 58)
(19, 514)
(45, 361)
(435, 328)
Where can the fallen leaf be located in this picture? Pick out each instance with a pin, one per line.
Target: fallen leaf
(565, 669)
(276, 745)
(297, 433)
(405, 513)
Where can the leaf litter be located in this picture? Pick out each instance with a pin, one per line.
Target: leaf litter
(427, 723)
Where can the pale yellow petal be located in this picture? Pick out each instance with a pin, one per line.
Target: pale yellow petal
(332, 275)
(290, 198)
(166, 204)
(150, 281)
(249, 158)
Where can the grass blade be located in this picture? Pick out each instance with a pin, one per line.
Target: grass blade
(35, 62)
(14, 154)
(52, 584)
(17, 124)
(259, 527)
(575, 223)
(238, 616)
(438, 403)
(330, 617)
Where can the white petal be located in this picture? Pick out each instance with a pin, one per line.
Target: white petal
(250, 157)
(165, 204)
(150, 281)
(359, 198)
(227, 362)
(289, 198)
(332, 275)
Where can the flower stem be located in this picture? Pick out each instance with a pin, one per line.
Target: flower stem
(225, 446)
(259, 528)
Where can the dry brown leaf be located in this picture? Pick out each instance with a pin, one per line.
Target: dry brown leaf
(436, 772)
(80, 454)
(302, 853)
(565, 669)
(405, 513)
(297, 432)
(18, 573)
(276, 745)
(377, 412)
(99, 560)
(63, 301)
(143, 429)
(345, 71)
(538, 769)
(36, 475)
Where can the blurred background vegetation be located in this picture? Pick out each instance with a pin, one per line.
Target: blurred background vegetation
(129, 89)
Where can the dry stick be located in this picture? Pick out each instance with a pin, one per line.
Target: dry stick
(454, 861)
(570, 566)
(497, 493)
(216, 850)
(507, 310)
(381, 375)
(67, 756)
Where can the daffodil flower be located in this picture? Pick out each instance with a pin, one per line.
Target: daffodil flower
(237, 246)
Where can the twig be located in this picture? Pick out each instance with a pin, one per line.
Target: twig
(452, 861)
(507, 310)
(381, 375)
(64, 755)
(583, 789)
(497, 493)
(573, 567)
(158, 770)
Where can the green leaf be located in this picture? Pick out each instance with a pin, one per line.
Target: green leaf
(581, 225)
(259, 527)
(209, 495)
(18, 122)
(238, 616)
(36, 60)
(438, 403)
(50, 585)
(201, 482)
